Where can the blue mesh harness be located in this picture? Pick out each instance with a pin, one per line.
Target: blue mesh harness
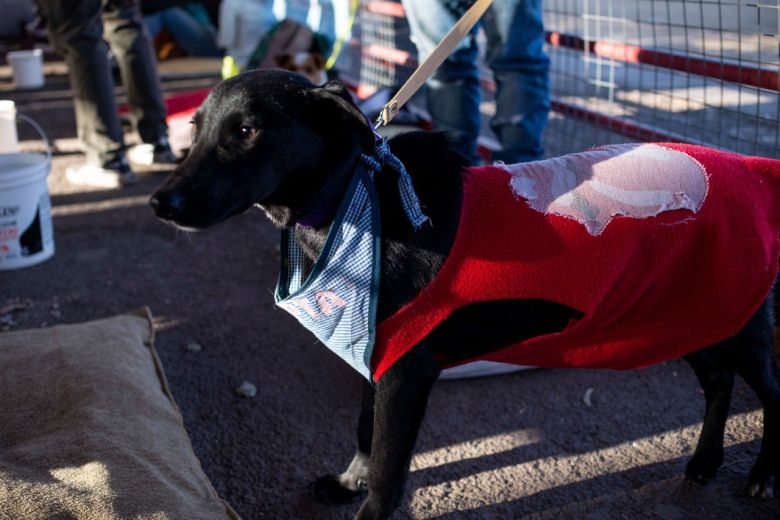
(337, 301)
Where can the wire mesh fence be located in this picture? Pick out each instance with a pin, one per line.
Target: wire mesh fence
(704, 71)
(381, 53)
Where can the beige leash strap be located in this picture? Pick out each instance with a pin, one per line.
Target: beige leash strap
(429, 66)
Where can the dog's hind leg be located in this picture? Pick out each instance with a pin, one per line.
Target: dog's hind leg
(755, 362)
(717, 383)
(750, 354)
(352, 483)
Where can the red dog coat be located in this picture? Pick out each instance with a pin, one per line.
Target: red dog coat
(665, 249)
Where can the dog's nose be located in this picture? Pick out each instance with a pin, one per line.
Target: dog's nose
(167, 206)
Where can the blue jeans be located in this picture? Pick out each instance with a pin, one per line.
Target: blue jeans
(192, 36)
(515, 53)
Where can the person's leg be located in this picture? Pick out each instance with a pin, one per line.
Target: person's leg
(454, 90)
(154, 22)
(131, 45)
(76, 31)
(520, 67)
(193, 37)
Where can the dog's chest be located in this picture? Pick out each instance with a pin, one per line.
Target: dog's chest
(337, 299)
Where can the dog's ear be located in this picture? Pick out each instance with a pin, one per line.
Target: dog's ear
(332, 104)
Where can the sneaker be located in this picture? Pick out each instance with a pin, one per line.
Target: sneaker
(113, 174)
(163, 154)
(159, 152)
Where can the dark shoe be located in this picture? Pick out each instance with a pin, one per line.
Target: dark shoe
(112, 174)
(163, 154)
(159, 152)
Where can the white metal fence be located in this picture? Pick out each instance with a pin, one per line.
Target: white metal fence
(700, 71)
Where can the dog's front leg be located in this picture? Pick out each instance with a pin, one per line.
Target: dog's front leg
(401, 398)
(352, 484)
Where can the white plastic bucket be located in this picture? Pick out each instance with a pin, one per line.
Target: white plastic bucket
(26, 68)
(26, 234)
(9, 141)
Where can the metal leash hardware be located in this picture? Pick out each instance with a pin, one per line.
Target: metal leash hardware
(429, 66)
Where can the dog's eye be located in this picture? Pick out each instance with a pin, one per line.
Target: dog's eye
(247, 132)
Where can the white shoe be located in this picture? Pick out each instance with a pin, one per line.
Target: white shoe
(142, 154)
(113, 175)
(148, 154)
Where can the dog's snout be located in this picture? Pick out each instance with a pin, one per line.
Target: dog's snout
(167, 205)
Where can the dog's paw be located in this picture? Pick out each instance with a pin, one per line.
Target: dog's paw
(372, 510)
(762, 485)
(701, 469)
(764, 479)
(329, 489)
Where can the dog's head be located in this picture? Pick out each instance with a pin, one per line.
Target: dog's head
(265, 137)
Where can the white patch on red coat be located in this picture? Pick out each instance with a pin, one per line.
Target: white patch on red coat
(632, 180)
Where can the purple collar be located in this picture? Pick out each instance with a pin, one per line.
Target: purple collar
(319, 215)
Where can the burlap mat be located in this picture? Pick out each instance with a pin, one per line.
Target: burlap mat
(89, 428)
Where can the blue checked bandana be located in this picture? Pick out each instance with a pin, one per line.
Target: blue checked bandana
(337, 301)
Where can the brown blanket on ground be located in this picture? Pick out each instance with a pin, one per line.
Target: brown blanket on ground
(89, 428)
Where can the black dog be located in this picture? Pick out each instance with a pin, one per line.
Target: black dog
(271, 139)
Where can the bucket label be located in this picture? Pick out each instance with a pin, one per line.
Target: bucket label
(9, 230)
(9, 211)
(22, 243)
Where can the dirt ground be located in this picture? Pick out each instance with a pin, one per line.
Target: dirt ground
(513, 446)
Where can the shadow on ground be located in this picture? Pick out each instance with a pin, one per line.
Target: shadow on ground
(504, 447)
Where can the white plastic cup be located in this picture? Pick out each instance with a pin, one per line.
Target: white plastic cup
(27, 68)
(9, 140)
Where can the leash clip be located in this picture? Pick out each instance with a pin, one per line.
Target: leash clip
(388, 112)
